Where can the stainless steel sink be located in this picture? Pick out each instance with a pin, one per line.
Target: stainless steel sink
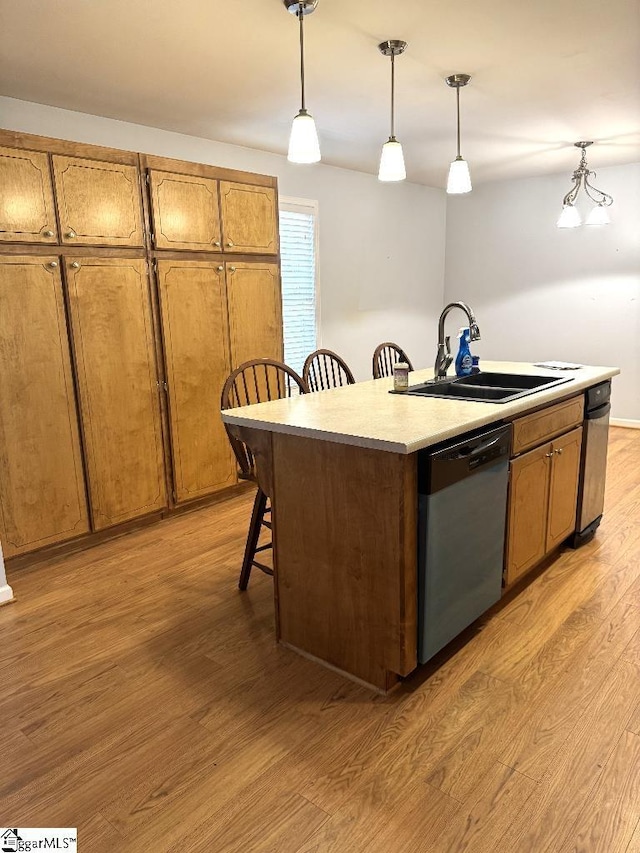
(486, 387)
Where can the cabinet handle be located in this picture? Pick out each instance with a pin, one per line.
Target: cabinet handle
(71, 233)
(230, 243)
(220, 268)
(216, 243)
(75, 265)
(47, 233)
(53, 264)
(559, 451)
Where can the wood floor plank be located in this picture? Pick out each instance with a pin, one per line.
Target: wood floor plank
(612, 809)
(550, 813)
(478, 827)
(545, 728)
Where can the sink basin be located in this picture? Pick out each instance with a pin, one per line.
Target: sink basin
(486, 387)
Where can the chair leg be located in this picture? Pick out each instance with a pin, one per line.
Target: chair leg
(259, 506)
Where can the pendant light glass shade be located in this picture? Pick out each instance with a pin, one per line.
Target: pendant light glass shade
(569, 218)
(304, 146)
(599, 216)
(392, 159)
(392, 162)
(459, 178)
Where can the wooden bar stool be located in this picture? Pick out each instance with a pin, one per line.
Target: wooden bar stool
(324, 369)
(256, 381)
(385, 356)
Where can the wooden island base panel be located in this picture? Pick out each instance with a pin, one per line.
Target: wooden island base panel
(345, 501)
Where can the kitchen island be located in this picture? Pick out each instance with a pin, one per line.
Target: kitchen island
(341, 469)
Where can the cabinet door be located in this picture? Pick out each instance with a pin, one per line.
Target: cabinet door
(255, 312)
(98, 202)
(119, 392)
(249, 218)
(185, 212)
(195, 329)
(42, 493)
(563, 492)
(528, 505)
(26, 201)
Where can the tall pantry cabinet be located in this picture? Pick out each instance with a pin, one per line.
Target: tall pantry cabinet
(130, 286)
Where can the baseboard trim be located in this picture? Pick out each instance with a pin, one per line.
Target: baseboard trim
(6, 594)
(623, 422)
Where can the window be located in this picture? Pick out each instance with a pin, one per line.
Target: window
(298, 244)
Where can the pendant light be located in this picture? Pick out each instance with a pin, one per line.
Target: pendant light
(459, 177)
(303, 142)
(392, 158)
(570, 217)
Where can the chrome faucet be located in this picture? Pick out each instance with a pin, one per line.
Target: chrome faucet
(444, 357)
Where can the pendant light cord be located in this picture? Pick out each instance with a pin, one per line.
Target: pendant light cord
(300, 18)
(458, 112)
(393, 96)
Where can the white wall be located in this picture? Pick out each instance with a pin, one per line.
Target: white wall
(381, 265)
(540, 292)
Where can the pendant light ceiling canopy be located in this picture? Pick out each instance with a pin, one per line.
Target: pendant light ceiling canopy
(570, 216)
(459, 178)
(304, 146)
(392, 159)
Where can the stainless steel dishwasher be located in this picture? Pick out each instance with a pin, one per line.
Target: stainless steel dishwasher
(462, 506)
(593, 468)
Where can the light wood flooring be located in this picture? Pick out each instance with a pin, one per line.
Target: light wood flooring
(144, 701)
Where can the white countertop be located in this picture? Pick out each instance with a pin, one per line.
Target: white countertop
(366, 415)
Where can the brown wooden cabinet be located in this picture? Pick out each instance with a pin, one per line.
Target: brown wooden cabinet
(106, 382)
(249, 218)
(42, 494)
(196, 345)
(118, 386)
(543, 495)
(255, 311)
(186, 212)
(99, 202)
(27, 212)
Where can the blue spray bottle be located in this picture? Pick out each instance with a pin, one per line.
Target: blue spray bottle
(464, 359)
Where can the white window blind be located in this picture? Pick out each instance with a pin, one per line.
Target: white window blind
(298, 222)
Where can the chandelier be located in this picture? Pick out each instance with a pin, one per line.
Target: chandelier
(599, 215)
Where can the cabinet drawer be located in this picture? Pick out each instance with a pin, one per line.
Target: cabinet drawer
(541, 426)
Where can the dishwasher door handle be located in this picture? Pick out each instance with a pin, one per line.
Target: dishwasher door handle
(481, 448)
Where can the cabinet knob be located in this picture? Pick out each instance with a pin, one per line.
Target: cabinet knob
(230, 243)
(216, 243)
(220, 268)
(47, 233)
(232, 269)
(53, 264)
(71, 233)
(549, 455)
(559, 451)
(75, 265)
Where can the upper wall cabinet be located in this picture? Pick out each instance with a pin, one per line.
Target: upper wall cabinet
(249, 218)
(186, 212)
(26, 202)
(98, 202)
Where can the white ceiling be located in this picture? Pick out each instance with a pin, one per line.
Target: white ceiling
(546, 73)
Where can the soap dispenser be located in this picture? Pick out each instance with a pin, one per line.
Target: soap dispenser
(464, 359)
